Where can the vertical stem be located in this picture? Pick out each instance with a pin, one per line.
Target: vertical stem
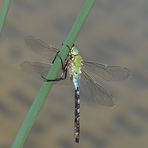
(53, 73)
(3, 12)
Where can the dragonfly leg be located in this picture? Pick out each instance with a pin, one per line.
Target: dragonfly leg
(47, 80)
(69, 46)
(63, 77)
(55, 57)
(64, 69)
(57, 54)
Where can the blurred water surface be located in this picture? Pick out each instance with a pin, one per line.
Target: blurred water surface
(115, 33)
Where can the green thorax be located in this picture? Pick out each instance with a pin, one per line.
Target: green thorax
(76, 66)
(77, 61)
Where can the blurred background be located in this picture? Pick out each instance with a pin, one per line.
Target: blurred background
(115, 33)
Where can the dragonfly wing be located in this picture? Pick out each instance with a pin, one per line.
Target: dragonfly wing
(36, 68)
(40, 47)
(107, 72)
(93, 92)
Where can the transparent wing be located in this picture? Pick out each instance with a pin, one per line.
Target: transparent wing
(109, 73)
(35, 68)
(40, 47)
(92, 92)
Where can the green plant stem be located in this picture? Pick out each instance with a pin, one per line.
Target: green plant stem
(3, 13)
(52, 74)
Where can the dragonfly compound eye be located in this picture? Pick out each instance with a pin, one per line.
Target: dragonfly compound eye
(74, 51)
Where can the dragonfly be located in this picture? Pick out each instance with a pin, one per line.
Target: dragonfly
(84, 74)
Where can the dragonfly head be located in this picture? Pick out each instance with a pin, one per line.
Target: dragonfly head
(74, 51)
